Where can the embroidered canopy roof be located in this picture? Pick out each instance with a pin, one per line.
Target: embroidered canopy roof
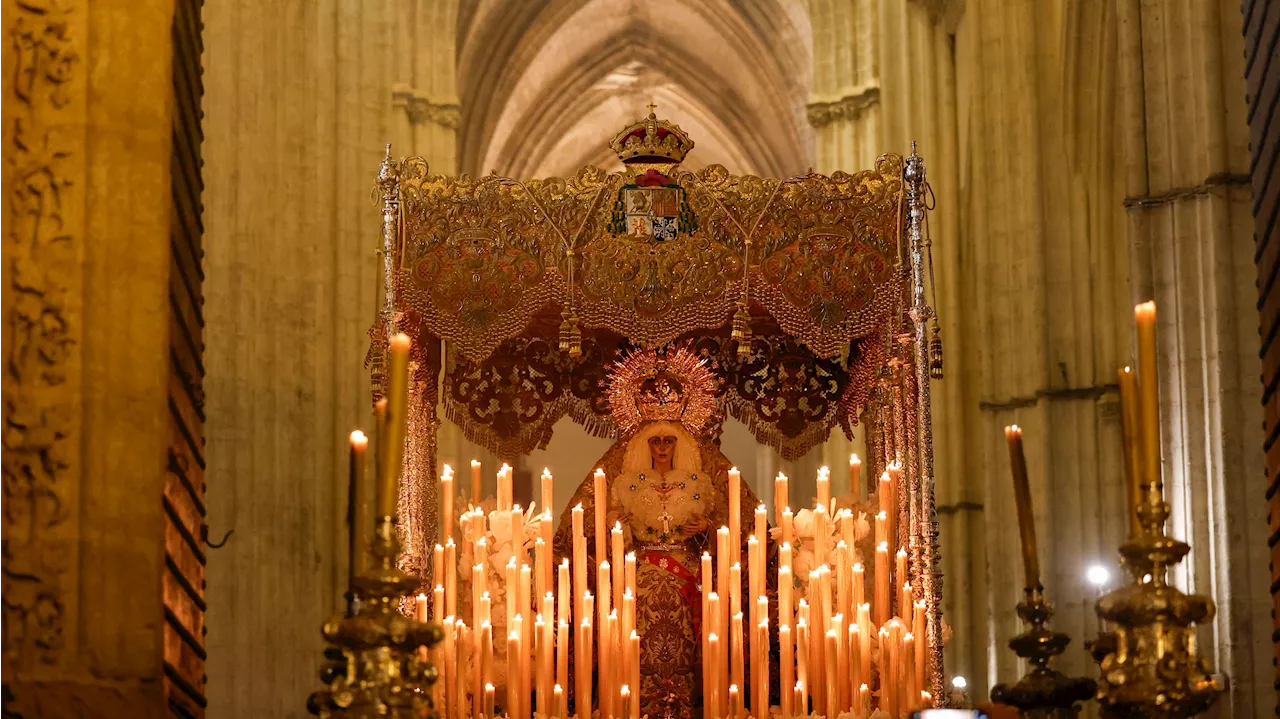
(789, 286)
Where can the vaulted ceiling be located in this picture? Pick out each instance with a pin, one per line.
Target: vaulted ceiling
(544, 84)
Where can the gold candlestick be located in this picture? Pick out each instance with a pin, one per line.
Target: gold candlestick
(1043, 692)
(1150, 666)
(374, 667)
(385, 675)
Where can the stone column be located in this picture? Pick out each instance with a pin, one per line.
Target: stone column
(86, 254)
(1190, 230)
(298, 108)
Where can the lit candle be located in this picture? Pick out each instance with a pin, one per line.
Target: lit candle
(885, 664)
(864, 701)
(888, 498)
(881, 604)
(625, 695)
(561, 709)
(584, 665)
(832, 661)
(631, 580)
(737, 659)
(882, 527)
(420, 606)
(1022, 500)
(396, 426)
(760, 673)
(541, 671)
(1133, 437)
(788, 526)
(601, 506)
(548, 492)
(821, 534)
(486, 664)
(563, 595)
(735, 702)
(843, 690)
(824, 486)
(633, 642)
(802, 662)
(579, 567)
(917, 628)
(714, 660)
(855, 474)
(489, 692)
(843, 590)
(762, 523)
(505, 497)
(864, 635)
(723, 555)
(781, 500)
(857, 585)
(514, 681)
(541, 560)
(611, 670)
(357, 533)
(786, 584)
(1148, 392)
(450, 579)
(547, 568)
(604, 657)
(562, 658)
(475, 483)
(910, 692)
(797, 701)
(786, 657)
(735, 513)
(446, 502)
(618, 563)
(853, 652)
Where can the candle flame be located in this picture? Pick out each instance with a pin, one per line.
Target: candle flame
(359, 441)
(853, 459)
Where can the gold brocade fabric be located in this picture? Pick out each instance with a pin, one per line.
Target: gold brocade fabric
(479, 259)
(670, 654)
(788, 397)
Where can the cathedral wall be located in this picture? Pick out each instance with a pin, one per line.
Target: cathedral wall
(1036, 122)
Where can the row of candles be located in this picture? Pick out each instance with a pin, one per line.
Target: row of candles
(827, 665)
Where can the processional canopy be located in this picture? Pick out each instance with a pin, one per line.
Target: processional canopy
(790, 288)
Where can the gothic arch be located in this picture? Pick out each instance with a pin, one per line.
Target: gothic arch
(735, 74)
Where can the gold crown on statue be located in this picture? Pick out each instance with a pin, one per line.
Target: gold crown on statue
(652, 141)
(671, 383)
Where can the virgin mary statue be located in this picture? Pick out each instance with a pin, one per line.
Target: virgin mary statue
(667, 487)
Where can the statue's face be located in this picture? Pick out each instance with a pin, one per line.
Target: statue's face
(662, 447)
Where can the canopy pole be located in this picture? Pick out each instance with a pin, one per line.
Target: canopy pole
(931, 574)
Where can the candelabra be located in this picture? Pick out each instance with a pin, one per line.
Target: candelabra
(1150, 666)
(1042, 693)
(376, 665)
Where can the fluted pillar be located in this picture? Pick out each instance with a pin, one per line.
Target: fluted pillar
(1191, 238)
(297, 109)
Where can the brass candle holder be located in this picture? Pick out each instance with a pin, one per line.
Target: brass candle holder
(376, 667)
(1043, 692)
(1150, 666)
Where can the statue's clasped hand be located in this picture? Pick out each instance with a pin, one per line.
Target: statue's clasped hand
(695, 526)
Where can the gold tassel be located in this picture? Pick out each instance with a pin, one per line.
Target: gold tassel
(935, 352)
(565, 331)
(741, 332)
